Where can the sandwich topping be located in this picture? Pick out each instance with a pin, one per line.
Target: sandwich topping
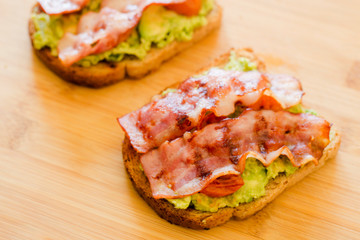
(185, 7)
(199, 100)
(98, 32)
(158, 26)
(62, 6)
(219, 138)
(190, 164)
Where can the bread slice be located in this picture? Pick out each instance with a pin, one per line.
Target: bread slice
(195, 219)
(106, 73)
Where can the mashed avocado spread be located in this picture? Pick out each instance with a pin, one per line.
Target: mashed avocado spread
(239, 63)
(255, 175)
(157, 28)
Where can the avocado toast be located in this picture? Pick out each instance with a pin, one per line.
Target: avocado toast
(263, 180)
(143, 50)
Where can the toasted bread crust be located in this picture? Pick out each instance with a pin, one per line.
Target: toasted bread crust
(195, 219)
(106, 73)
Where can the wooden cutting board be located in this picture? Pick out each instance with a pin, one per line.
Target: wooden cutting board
(61, 170)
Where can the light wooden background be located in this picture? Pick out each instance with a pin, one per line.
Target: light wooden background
(61, 170)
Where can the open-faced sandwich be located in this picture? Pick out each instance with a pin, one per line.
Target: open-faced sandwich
(98, 42)
(224, 143)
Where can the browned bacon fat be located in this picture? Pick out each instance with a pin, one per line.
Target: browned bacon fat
(187, 165)
(215, 93)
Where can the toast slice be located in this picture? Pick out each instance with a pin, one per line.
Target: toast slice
(195, 219)
(106, 73)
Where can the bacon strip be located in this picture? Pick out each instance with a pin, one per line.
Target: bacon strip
(97, 32)
(189, 164)
(216, 92)
(69, 6)
(100, 32)
(52, 7)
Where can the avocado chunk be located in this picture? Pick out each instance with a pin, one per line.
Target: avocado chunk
(153, 25)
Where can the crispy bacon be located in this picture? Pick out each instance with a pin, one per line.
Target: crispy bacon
(122, 6)
(197, 98)
(189, 164)
(53, 7)
(100, 32)
(97, 32)
(185, 7)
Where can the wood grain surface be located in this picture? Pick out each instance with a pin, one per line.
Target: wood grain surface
(61, 170)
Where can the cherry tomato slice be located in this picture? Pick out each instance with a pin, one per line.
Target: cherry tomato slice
(187, 8)
(223, 186)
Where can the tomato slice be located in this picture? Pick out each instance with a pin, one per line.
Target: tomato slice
(267, 102)
(223, 186)
(187, 8)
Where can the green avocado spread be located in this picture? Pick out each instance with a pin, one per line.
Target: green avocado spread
(239, 63)
(157, 28)
(256, 176)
